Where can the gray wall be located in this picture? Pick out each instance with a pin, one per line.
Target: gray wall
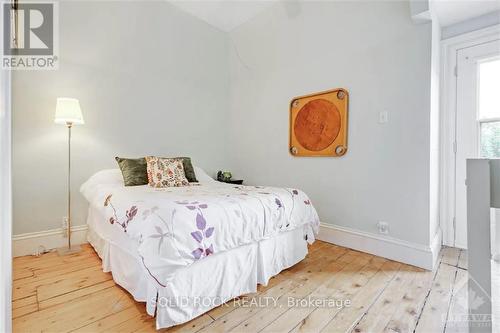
(150, 79)
(153, 80)
(375, 51)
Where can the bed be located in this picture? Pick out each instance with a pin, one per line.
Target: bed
(186, 250)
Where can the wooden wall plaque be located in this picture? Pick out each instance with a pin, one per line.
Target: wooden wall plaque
(318, 124)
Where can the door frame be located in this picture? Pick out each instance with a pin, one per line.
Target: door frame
(448, 106)
(5, 203)
(5, 198)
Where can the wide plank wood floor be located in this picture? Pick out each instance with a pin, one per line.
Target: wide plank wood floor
(71, 293)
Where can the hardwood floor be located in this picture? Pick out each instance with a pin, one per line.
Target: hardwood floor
(67, 294)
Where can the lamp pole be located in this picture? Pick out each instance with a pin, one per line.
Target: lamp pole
(69, 113)
(69, 124)
(70, 249)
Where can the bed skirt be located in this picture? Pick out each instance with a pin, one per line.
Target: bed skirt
(205, 284)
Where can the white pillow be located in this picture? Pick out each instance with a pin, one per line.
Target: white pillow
(202, 176)
(103, 177)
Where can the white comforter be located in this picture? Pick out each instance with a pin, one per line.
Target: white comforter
(175, 227)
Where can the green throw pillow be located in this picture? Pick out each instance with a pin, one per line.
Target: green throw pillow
(134, 170)
(188, 169)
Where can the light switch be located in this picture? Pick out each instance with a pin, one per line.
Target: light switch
(383, 117)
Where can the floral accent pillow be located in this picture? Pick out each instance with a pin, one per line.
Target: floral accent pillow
(165, 172)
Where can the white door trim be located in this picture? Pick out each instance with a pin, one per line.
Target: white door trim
(5, 203)
(449, 49)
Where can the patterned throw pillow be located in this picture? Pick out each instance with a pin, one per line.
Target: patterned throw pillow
(165, 172)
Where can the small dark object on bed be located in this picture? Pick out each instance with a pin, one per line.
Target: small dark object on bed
(233, 181)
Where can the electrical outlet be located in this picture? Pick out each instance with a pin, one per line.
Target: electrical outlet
(64, 226)
(383, 227)
(383, 117)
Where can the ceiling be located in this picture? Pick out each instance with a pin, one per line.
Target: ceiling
(225, 15)
(454, 11)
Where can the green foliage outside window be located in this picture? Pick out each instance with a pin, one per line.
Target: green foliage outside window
(490, 140)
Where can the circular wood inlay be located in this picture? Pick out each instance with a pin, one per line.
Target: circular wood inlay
(317, 124)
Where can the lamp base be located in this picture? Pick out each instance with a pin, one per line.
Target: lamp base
(64, 251)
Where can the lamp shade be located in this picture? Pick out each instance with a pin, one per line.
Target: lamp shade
(68, 111)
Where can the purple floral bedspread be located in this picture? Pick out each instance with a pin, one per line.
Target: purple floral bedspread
(175, 227)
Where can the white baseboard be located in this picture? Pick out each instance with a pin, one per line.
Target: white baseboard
(29, 243)
(390, 248)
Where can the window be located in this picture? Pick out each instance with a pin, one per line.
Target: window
(489, 108)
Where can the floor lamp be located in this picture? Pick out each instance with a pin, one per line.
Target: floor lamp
(68, 113)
